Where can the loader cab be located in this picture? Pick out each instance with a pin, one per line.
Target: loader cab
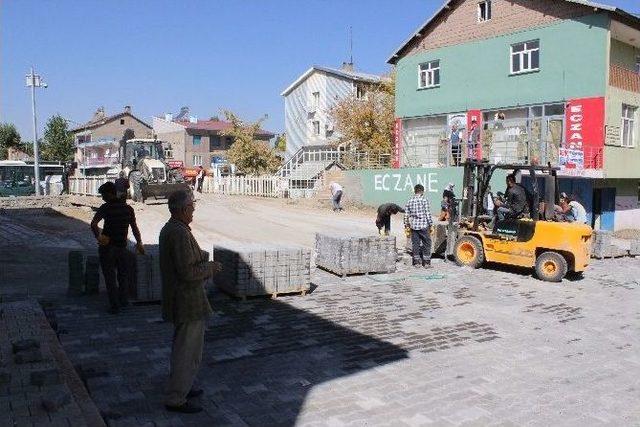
(134, 151)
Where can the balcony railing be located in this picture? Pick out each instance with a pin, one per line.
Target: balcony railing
(623, 78)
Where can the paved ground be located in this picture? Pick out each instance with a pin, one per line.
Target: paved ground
(445, 347)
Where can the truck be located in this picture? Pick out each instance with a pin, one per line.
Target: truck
(142, 162)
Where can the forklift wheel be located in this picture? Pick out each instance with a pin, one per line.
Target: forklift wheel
(551, 267)
(468, 252)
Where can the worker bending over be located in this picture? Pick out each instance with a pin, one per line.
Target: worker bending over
(383, 220)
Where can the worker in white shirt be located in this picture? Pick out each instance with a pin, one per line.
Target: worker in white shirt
(336, 196)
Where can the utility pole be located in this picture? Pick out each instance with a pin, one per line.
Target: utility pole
(34, 81)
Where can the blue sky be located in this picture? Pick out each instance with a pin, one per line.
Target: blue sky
(160, 55)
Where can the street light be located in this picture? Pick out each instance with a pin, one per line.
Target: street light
(33, 81)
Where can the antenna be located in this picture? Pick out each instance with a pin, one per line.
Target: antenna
(350, 44)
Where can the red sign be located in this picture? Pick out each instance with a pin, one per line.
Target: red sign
(474, 149)
(584, 134)
(173, 164)
(397, 144)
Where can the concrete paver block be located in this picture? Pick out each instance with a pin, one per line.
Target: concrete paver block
(353, 254)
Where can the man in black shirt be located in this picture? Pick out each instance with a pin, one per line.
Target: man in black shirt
(112, 241)
(516, 205)
(384, 217)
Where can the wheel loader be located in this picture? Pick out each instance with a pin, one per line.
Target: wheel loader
(551, 247)
(142, 161)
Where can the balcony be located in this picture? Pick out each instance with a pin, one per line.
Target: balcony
(623, 78)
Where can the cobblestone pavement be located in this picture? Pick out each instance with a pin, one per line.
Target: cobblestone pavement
(448, 346)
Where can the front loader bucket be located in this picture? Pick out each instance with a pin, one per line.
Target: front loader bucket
(162, 190)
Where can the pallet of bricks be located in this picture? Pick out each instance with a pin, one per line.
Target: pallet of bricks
(356, 254)
(603, 247)
(253, 270)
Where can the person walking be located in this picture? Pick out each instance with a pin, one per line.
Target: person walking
(200, 178)
(184, 268)
(336, 196)
(418, 219)
(114, 257)
(383, 220)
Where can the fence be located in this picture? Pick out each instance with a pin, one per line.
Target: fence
(86, 185)
(261, 186)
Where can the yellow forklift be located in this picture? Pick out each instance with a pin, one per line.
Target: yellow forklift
(552, 247)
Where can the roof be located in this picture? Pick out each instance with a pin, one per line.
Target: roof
(447, 5)
(98, 123)
(351, 75)
(214, 125)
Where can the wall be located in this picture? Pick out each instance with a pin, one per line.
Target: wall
(477, 74)
(374, 187)
(298, 122)
(114, 129)
(627, 214)
(623, 54)
(460, 23)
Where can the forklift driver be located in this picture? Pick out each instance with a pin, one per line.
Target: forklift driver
(516, 204)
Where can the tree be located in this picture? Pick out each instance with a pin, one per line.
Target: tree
(58, 141)
(281, 142)
(248, 154)
(9, 137)
(366, 123)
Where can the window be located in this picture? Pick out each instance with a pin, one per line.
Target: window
(197, 160)
(484, 11)
(168, 153)
(121, 121)
(214, 142)
(197, 139)
(628, 126)
(361, 92)
(316, 127)
(429, 74)
(316, 99)
(525, 57)
(638, 64)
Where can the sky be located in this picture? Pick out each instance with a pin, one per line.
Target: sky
(210, 55)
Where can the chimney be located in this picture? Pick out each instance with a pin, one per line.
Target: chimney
(347, 66)
(127, 109)
(168, 117)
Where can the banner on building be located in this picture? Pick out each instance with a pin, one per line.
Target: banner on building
(173, 164)
(397, 144)
(474, 133)
(584, 134)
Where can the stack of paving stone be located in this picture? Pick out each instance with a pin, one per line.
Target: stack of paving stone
(603, 247)
(635, 248)
(252, 270)
(148, 283)
(356, 254)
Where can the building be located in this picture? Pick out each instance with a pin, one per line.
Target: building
(98, 140)
(191, 142)
(547, 81)
(308, 100)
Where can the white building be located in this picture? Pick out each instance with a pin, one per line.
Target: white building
(308, 100)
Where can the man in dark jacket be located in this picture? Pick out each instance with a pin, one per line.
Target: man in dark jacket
(384, 217)
(516, 204)
(118, 216)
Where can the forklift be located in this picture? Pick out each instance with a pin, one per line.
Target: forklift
(553, 248)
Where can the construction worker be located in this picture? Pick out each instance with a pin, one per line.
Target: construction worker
(336, 196)
(571, 210)
(122, 186)
(200, 179)
(118, 216)
(417, 218)
(383, 220)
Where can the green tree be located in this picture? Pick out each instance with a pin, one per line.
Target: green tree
(58, 141)
(366, 123)
(250, 156)
(9, 137)
(281, 142)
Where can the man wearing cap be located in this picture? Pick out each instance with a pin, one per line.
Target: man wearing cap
(118, 216)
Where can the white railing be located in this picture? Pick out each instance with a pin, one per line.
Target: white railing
(86, 185)
(259, 186)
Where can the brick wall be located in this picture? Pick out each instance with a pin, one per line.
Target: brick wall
(460, 24)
